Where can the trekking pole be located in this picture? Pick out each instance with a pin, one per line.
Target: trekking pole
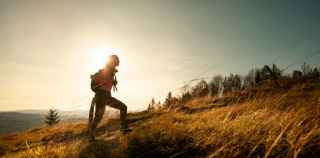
(92, 109)
(115, 88)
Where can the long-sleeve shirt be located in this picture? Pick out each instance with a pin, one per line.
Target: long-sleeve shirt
(105, 78)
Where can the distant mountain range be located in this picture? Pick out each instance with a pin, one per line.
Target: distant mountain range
(15, 121)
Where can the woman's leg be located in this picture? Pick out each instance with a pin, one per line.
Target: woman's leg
(117, 104)
(99, 111)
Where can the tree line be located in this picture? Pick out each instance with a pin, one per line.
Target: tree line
(218, 85)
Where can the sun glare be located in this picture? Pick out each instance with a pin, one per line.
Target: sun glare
(100, 57)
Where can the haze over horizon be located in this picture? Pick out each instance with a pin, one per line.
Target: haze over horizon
(48, 49)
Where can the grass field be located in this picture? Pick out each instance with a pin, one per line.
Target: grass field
(259, 123)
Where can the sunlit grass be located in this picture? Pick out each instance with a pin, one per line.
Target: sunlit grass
(284, 124)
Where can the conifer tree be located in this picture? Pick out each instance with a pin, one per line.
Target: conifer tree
(52, 117)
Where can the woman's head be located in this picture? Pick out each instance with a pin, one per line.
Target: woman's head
(113, 61)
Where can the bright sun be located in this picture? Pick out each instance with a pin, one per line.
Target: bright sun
(100, 56)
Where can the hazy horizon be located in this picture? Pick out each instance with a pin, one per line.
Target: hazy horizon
(48, 49)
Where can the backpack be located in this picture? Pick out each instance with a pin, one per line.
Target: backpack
(94, 85)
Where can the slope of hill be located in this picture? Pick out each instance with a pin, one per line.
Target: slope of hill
(25, 119)
(16, 121)
(262, 122)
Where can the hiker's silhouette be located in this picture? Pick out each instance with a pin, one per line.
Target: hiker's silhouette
(102, 83)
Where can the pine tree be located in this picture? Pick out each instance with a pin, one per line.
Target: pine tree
(151, 104)
(306, 69)
(168, 100)
(52, 117)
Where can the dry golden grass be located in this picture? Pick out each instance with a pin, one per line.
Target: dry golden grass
(283, 124)
(280, 125)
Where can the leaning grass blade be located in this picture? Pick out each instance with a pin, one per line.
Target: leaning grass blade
(276, 140)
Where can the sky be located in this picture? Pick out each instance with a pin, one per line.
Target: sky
(49, 49)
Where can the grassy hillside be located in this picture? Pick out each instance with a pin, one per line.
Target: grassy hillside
(260, 122)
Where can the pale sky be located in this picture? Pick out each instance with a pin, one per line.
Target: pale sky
(49, 48)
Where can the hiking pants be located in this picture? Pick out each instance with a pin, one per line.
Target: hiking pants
(103, 98)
